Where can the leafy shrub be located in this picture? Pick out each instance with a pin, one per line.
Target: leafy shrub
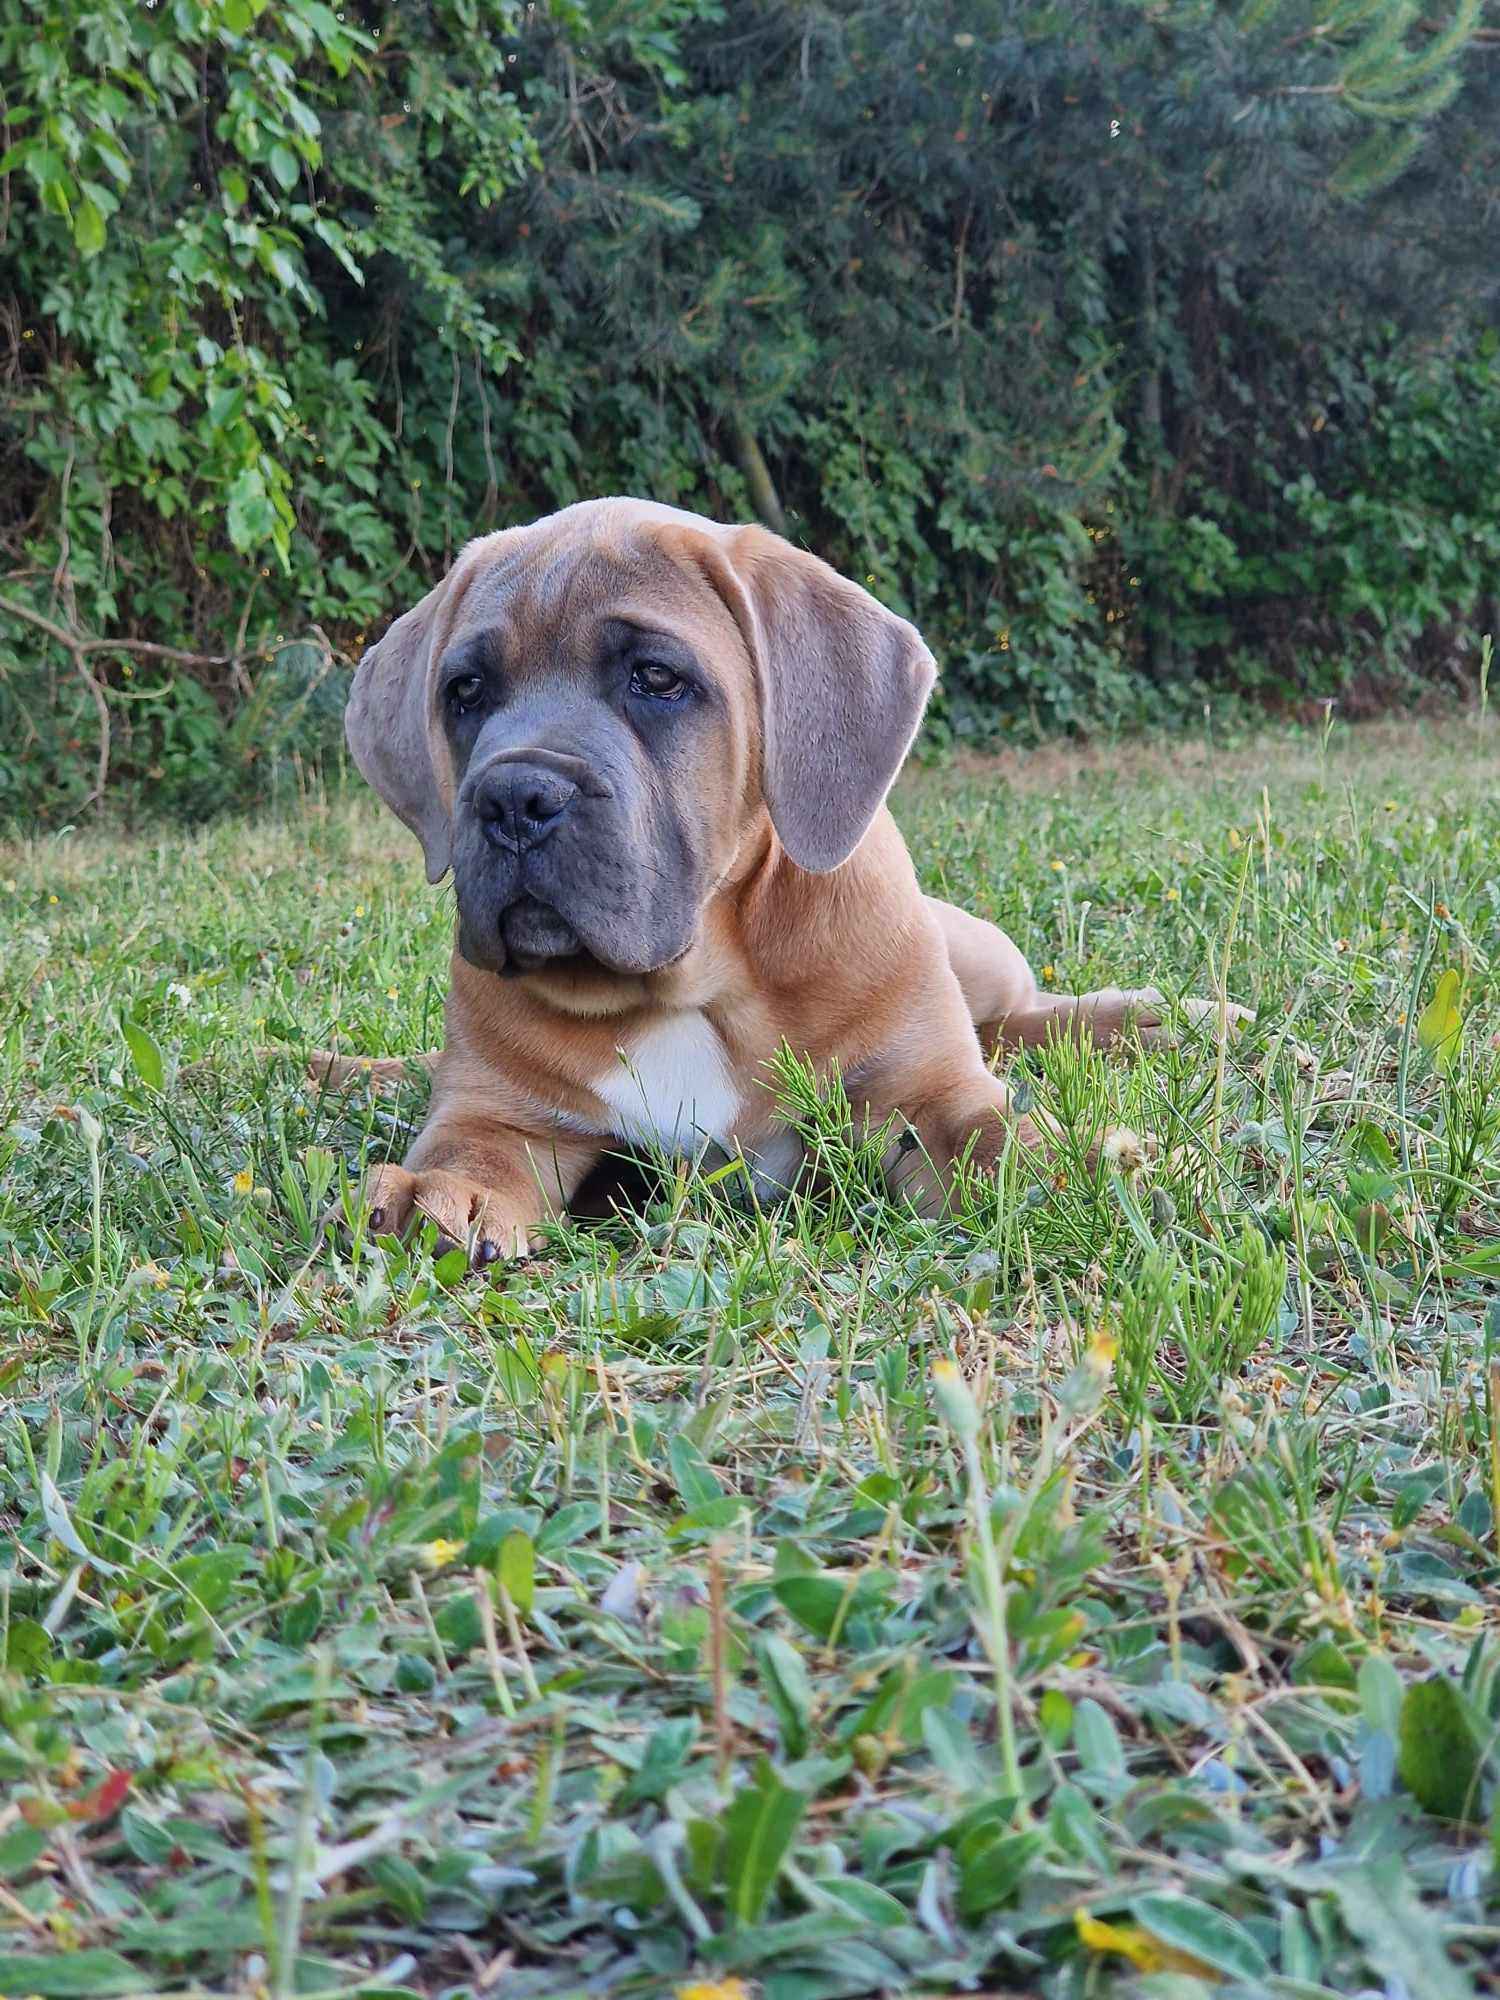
(1130, 355)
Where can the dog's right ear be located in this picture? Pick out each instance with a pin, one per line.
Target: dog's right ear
(390, 726)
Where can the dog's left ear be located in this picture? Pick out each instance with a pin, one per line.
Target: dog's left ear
(843, 683)
(390, 729)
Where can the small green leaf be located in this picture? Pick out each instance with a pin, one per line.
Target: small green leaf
(516, 1569)
(1440, 1752)
(302, 1619)
(21, 1849)
(452, 1267)
(144, 1054)
(1055, 1714)
(24, 1646)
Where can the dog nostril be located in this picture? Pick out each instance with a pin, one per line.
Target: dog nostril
(518, 806)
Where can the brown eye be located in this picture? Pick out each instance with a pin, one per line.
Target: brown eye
(467, 691)
(659, 682)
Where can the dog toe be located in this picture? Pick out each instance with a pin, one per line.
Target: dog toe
(390, 1193)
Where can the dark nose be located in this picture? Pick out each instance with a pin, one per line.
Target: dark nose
(518, 805)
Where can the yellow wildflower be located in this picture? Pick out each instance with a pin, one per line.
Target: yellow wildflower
(244, 1180)
(1145, 1953)
(438, 1554)
(1102, 1349)
(714, 1989)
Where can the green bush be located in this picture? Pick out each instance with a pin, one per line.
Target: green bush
(1134, 353)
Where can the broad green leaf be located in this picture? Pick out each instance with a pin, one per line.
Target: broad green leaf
(1203, 1932)
(88, 1975)
(1380, 1694)
(250, 516)
(144, 1054)
(1097, 1741)
(694, 1477)
(1440, 1024)
(568, 1525)
(1402, 1939)
(864, 1899)
(784, 1676)
(285, 166)
(1440, 1753)
(759, 1829)
(991, 1867)
(828, 1602)
(60, 1527)
(88, 228)
(666, 1755)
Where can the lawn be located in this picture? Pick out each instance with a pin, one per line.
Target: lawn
(1093, 1594)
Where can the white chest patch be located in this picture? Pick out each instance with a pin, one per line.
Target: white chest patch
(672, 1086)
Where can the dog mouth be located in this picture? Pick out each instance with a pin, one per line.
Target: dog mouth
(534, 934)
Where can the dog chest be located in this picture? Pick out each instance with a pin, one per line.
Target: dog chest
(672, 1086)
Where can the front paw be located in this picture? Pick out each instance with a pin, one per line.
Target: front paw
(465, 1212)
(1217, 1020)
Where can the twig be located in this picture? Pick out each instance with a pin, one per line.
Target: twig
(78, 643)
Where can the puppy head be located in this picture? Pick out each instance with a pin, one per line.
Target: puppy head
(589, 716)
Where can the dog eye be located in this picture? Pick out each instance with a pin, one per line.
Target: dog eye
(651, 678)
(467, 691)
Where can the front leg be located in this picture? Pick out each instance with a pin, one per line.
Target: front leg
(484, 1184)
(930, 1082)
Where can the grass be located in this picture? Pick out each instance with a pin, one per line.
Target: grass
(1093, 1595)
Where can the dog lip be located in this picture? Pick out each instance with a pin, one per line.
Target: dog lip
(548, 927)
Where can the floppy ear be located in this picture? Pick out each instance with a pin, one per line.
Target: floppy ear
(389, 726)
(843, 683)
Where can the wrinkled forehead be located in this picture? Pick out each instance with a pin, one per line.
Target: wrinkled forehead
(552, 594)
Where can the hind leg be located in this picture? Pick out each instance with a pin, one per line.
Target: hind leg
(1009, 1009)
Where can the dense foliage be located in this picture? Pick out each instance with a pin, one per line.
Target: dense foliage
(1134, 347)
